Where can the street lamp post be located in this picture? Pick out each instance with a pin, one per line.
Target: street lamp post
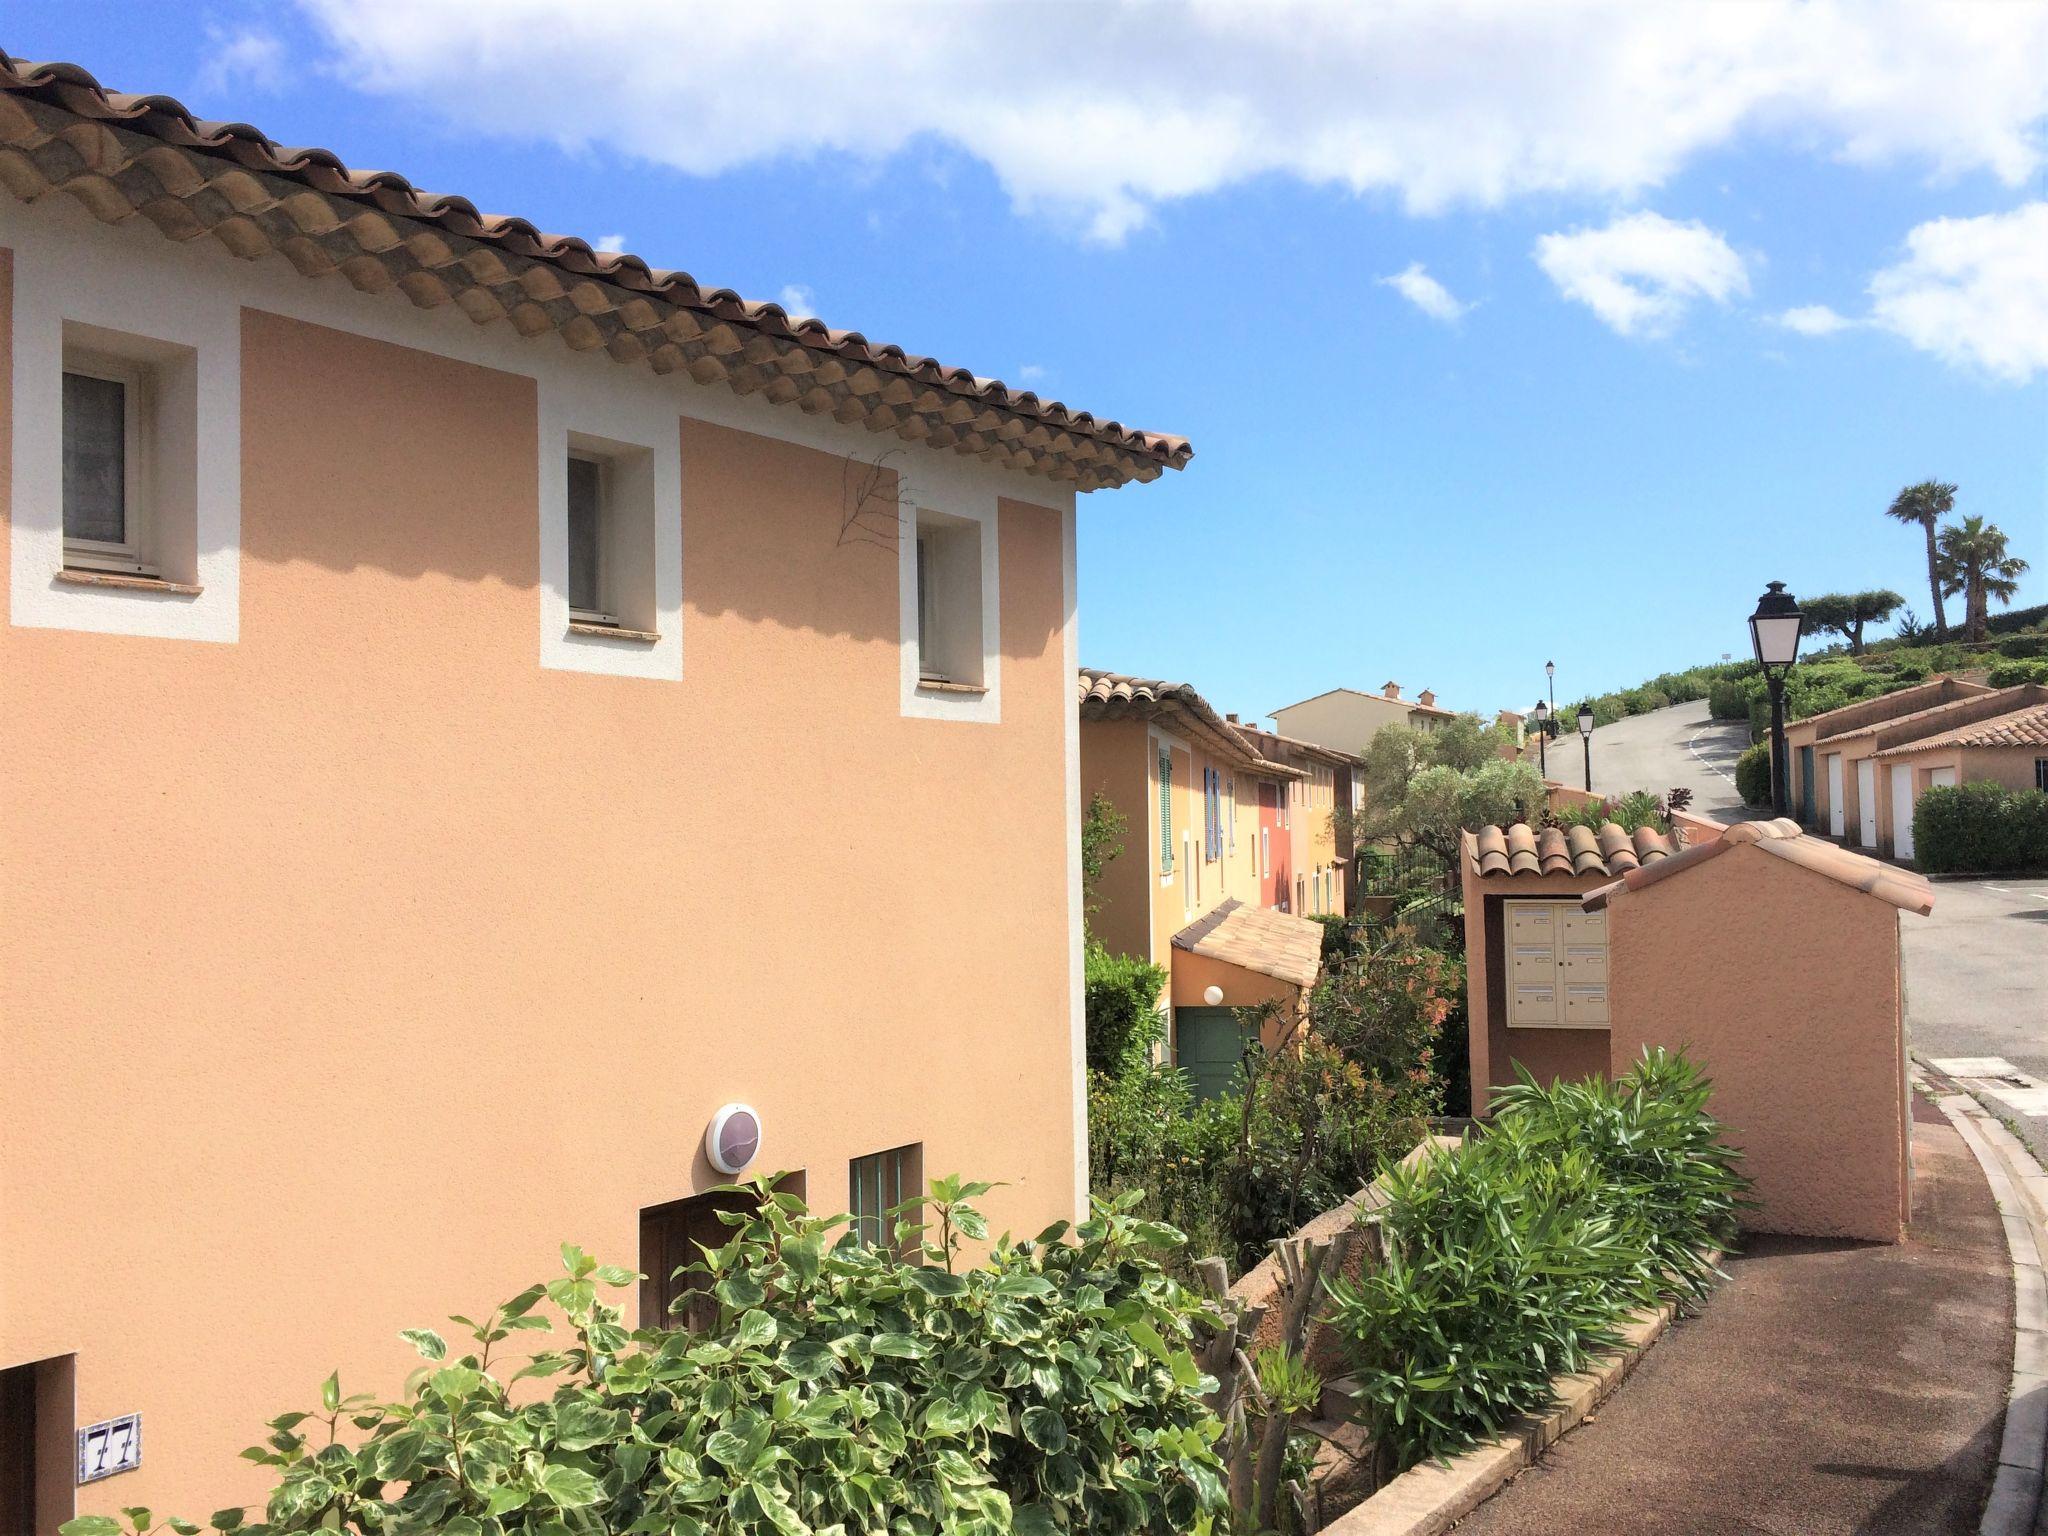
(1774, 637)
(1586, 736)
(1543, 737)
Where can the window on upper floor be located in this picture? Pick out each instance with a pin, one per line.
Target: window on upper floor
(949, 609)
(129, 472)
(610, 515)
(2041, 773)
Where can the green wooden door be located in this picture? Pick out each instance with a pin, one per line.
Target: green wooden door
(1208, 1046)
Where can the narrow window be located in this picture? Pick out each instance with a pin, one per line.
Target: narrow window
(880, 1184)
(2041, 773)
(949, 601)
(1230, 789)
(589, 586)
(106, 466)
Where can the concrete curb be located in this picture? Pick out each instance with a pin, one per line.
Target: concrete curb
(1429, 1499)
(2021, 1191)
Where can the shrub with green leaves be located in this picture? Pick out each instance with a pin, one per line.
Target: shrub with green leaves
(1753, 774)
(1980, 828)
(843, 1389)
(1515, 1258)
(2010, 674)
(1120, 1006)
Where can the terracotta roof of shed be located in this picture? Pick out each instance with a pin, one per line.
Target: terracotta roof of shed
(2022, 728)
(1783, 839)
(1523, 850)
(1932, 712)
(123, 155)
(1276, 944)
(1114, 696)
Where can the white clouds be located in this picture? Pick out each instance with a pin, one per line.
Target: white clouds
(1974, 292)
(244, 59)
(1414, 284)
(1031, 373)
(611, 245)
(1641, 273)
(801, 303)
(1100, 114)
(1814, 320)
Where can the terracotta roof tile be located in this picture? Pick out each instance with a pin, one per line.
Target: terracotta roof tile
(1784, 839)
(1276, 944)
(2022, 728)
(1948, 709)
(123, 155)
(1522, 850)
(1115, 696)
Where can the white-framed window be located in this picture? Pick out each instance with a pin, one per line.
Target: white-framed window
(1165, 810)
(109, 500)
(949, 613)
(609, 533)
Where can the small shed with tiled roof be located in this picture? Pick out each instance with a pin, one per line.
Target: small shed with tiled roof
(1769, 957)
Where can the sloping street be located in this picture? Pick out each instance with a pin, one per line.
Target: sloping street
(1667, 748)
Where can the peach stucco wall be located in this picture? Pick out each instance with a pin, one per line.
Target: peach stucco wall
(1784, 986)
(349, 968)
(1114, 754)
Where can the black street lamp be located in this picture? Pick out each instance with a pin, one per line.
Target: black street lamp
(1586, 736)
(1543, 737)
(1774, 637)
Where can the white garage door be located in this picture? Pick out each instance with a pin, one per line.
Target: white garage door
(1834, 794)
(1902, 810)
(1943, 776)
(1866, 804)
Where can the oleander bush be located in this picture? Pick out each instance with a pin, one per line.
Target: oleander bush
(1516, 1257)
(1980, 829)
(843, 1388)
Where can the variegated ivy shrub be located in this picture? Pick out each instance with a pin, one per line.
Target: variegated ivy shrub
(844, 1389)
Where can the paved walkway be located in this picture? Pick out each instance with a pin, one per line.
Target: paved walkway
(1827, 1388)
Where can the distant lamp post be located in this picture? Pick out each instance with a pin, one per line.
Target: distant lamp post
(1543, 737)
(1586, 736)
(1774, 637)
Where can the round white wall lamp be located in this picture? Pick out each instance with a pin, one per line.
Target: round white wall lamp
(1213, 996)
(733, 1138)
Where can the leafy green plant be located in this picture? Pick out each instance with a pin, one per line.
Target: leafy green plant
(1514, 1258)
(843, 1388)
(2010, 674)
(1120, 1006)
(1753, 774)
(1102, 840)
(1980, 828)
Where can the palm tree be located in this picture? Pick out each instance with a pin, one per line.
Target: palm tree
(1926, 504)
(1973, 562)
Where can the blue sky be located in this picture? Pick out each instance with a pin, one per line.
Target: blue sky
(1185, 219)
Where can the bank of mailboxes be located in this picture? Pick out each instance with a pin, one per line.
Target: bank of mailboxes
(1557, 965)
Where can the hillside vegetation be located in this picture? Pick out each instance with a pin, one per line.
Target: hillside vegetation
(1829, 677)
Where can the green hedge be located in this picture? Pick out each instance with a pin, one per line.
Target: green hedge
(2010, 674)
(1753, 774)
(1121, 1001)
(1980, 828)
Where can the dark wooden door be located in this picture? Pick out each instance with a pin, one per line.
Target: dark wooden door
(18, 1451)
(673, 1237)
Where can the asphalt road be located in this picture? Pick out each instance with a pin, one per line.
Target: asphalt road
(1977, 986)
(1659, 751)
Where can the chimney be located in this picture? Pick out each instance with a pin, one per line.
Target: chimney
(1392, 690)
(1231, 718)
(1425, 698)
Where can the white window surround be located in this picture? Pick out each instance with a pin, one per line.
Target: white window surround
(944, 492)
(106, 298)
(638, 442)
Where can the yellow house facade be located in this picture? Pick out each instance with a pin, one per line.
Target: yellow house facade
(1211, 827)
(472, 704)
